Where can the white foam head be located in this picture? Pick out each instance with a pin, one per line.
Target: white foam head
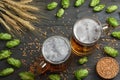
(87, 30)
(56, 49)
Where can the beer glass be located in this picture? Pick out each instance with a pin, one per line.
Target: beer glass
(56, 53)
(86, 33)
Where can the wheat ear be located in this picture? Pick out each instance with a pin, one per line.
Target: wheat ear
(11, 22)
(25, 23)
(21, 6)
(21, 13)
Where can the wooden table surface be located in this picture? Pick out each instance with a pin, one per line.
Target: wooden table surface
(50, 25)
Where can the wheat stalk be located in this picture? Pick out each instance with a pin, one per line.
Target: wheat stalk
(16, 16)
(15, 28)
(4, 24)
(11, 22)
(25, 1)
(21, 6)
(20, 20)
(22, 14)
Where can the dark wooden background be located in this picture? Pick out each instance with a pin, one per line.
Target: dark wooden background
(49, 26)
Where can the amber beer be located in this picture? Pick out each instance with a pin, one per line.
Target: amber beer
(56, 53)
(86, 32)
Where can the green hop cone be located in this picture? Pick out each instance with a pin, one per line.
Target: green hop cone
(116, 34)
(60, 13)
(5, 54)
(113, 21)
(14, 62)
(81, 73)
(26, 76)
(111, 51)
(52, 5)
(5, 36)
(99, 8)
(13, 43)
(65, 3)
(93, 3)
(111, 8)
(79, 3)
(54, 77)
(6, 72)
(83, 60)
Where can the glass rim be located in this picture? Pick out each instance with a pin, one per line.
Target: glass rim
(85, 43)
(67, 56)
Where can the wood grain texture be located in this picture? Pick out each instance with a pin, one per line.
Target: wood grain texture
(63, 26)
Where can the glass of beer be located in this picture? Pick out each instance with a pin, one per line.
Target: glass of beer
(56, 53)
(86, 33)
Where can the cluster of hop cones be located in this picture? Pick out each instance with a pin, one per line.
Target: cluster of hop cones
(16, 15)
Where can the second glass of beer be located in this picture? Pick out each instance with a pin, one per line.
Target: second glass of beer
(86, 33)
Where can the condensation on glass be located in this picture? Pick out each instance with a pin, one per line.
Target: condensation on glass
(56, 53)
(86, 32)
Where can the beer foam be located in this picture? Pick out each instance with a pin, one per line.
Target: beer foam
(87, 30)
(56, 49)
